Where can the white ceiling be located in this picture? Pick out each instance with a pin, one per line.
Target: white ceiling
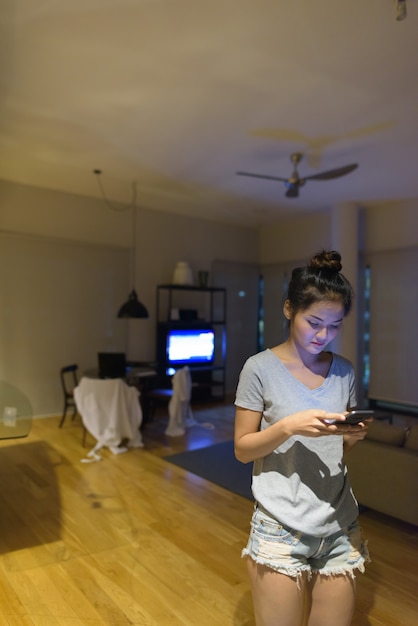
(177, 95)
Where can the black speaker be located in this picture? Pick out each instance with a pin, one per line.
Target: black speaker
(188, 315)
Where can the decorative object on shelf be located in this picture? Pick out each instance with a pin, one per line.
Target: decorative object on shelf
(174, 315)
(203, 278)
(183, 274)
(132, 308)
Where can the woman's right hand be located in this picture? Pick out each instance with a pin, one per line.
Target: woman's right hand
(313, 423)
(251, 443)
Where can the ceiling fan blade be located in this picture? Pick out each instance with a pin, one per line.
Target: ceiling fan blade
(340, 171)
(295, 181)
(261, 176)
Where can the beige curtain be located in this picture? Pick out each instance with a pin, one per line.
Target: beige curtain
(393, 326)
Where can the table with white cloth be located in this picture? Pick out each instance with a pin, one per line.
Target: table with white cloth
(111, 412)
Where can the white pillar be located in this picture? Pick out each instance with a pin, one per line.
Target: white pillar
(345, 238)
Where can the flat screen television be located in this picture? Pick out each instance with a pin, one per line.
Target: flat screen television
(182, 345)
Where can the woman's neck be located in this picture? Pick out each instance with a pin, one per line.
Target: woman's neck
(293, 355)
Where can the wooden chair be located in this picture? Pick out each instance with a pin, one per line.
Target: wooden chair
(69, 380)
(154, 397)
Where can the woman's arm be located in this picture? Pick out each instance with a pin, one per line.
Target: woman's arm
(251, 443)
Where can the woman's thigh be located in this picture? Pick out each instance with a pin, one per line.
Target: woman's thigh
(331, 600)
(282, 600)
(278, 598)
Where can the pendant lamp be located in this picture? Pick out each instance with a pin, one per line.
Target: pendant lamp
(132, 308)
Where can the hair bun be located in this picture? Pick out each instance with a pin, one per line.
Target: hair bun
(326, 260)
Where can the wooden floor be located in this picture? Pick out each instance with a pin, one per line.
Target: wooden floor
(133, 539)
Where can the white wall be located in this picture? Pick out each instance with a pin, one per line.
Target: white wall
(163, 240)
(35, 211)
(387, 226)
(391, 226)
(293, 239)
(65, 229)
(58, 302)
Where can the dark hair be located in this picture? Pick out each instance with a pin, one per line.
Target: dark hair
(318, 281)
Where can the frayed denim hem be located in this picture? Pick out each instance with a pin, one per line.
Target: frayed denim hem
(359, 563)
(297, 572)
(294, 554)
(341, 571)
(293, 572)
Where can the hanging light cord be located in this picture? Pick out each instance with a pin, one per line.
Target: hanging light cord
(133, 308)
(122, 207)
(133, 207)
(111, 205)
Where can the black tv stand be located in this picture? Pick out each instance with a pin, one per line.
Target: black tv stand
(210, 305)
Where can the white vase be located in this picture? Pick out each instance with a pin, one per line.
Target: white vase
(183, 274)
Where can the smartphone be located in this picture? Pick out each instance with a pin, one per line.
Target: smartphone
(356, 416)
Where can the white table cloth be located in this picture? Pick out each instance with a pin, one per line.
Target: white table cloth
(110, 411)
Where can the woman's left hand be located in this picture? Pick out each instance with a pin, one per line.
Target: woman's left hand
(355, 433)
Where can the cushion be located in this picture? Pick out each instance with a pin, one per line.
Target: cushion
(412, 439)
(387, 433)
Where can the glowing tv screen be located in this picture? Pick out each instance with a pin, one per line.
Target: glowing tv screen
(190, 346)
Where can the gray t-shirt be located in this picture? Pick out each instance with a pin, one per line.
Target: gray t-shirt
(303, 483)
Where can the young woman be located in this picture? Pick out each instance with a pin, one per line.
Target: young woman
(291, 405)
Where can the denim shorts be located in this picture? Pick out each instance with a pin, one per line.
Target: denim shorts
(291, 552)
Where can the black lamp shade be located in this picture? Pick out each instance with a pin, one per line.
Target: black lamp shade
(133, 308)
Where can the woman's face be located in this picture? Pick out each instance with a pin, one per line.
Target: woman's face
(314, 328)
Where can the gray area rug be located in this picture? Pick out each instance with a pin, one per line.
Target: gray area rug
(217, 464)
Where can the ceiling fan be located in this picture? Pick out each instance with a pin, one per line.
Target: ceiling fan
(295, 181)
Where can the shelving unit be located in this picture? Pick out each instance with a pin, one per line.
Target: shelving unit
(209, 303)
